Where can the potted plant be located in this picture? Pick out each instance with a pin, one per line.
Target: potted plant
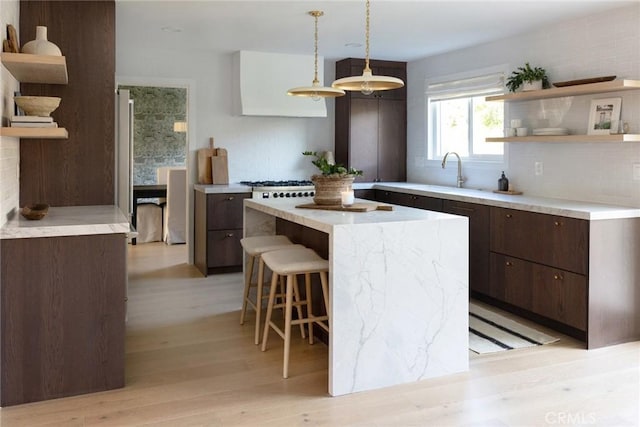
(332, 180)
(528, 78)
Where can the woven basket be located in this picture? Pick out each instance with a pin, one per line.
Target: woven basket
(329, 187)
(35, 211)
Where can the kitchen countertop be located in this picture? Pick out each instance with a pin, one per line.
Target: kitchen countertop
(68, 221)
(560, 207)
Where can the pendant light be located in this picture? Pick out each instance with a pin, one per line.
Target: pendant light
(367, 83)
(315, 91)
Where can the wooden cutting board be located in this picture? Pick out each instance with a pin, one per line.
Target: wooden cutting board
(356, 207)
(204, 163)
(220, 167)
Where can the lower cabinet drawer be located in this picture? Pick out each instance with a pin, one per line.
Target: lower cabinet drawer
(223, 248)
(557, 294)
(560, 295)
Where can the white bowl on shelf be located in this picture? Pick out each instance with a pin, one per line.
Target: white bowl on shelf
(38, 105)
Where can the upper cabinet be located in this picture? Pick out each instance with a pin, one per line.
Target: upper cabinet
(27, 68)
(577, 90)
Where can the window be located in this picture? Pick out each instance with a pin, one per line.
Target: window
(460, 119)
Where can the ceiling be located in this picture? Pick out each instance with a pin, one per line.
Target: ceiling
(400, 30)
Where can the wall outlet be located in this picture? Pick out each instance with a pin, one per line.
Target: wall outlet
(636, 171)
(538, 168)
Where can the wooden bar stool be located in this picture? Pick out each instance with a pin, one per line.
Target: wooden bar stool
(291, 262)
(254, 247)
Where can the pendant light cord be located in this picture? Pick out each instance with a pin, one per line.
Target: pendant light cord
(366, 57)
(315, 75)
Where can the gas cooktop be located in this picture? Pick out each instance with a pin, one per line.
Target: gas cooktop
(287, 183)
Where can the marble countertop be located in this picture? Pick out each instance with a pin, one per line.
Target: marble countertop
(325, 220)
(222, 188)
(68, 221)
(560, 207)
(566, 208)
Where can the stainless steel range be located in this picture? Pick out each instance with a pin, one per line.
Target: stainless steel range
(280, 189)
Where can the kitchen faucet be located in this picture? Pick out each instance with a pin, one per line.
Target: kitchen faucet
(444, 162)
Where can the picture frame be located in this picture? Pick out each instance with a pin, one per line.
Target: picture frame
(602, 113)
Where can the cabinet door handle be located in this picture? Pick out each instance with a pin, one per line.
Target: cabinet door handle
(229, 235)
(558, 277)
(414, 197)
(508, 215)
(230, 198)
(508, 264)
(557, 223)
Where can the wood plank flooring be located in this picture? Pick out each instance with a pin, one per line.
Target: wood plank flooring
(190, 363)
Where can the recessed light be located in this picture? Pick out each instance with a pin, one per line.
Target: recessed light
(353, 45)
(170, 29)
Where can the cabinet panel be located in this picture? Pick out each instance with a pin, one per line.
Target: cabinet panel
(363, 134)
(511, 280)
(367, 194)
(224, 211)
(392, 146)
(223, 248)
(555, 241)
(410, 200)
(478, 241)
(560, 295)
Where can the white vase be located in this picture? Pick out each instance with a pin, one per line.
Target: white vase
(534, 85)
(41, 46)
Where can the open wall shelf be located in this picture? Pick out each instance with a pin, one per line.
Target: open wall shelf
(27, 68)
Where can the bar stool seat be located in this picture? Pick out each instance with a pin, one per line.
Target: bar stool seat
(254, 247)
(291, 262)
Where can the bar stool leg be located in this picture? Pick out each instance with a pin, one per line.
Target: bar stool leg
(296, 293)
(247, 288)
(287, 325)
(272, 297)
(307, 282)
(259, 300)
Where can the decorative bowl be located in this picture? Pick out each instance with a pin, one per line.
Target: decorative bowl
(35, 211)
(38, 105)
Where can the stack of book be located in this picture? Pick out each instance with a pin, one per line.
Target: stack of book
(33, 122)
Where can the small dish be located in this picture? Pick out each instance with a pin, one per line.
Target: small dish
(35, 211)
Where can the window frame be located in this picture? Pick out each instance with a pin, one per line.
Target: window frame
(432, 140)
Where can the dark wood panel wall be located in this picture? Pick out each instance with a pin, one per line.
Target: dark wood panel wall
(80, 170)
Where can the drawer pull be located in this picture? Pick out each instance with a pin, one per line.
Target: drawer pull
(557, 223)
(229, 235)
(508, 264)
(509, 216)
(558, 277)
(230, 198)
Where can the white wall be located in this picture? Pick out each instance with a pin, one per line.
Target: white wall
(259, 148)
(9, 147)
(597, 45)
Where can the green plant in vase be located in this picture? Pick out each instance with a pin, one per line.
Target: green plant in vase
(526, 77)
(332, 181)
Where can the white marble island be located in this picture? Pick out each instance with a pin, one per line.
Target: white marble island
(398, 290)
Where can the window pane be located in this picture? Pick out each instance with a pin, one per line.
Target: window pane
(453, 126)
(488, 121)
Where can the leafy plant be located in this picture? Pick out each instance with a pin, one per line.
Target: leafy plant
(527, 74)
(328, 169)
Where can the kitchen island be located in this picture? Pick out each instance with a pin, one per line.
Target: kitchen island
(398, 285)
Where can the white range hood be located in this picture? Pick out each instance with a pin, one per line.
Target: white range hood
(264, 79)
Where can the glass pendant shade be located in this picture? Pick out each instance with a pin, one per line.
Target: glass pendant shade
(367, 83)
(315, 91)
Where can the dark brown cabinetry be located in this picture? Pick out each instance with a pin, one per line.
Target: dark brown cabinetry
(539, 263)
(217, 231)
(478, 241)
(371, 130)
(62, 318)
(410, 200)
(367, 194)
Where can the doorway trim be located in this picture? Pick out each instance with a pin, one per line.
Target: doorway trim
(190, 86)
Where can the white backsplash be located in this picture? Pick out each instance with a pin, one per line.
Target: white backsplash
(597, 172)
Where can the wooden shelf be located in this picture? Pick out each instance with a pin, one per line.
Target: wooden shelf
(34, 133)
(27, 68)
(557, 92)
(570, 138)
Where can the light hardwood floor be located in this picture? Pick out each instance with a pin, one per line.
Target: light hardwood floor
(190, 363)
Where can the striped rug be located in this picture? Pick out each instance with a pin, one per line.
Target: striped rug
(490, 332)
